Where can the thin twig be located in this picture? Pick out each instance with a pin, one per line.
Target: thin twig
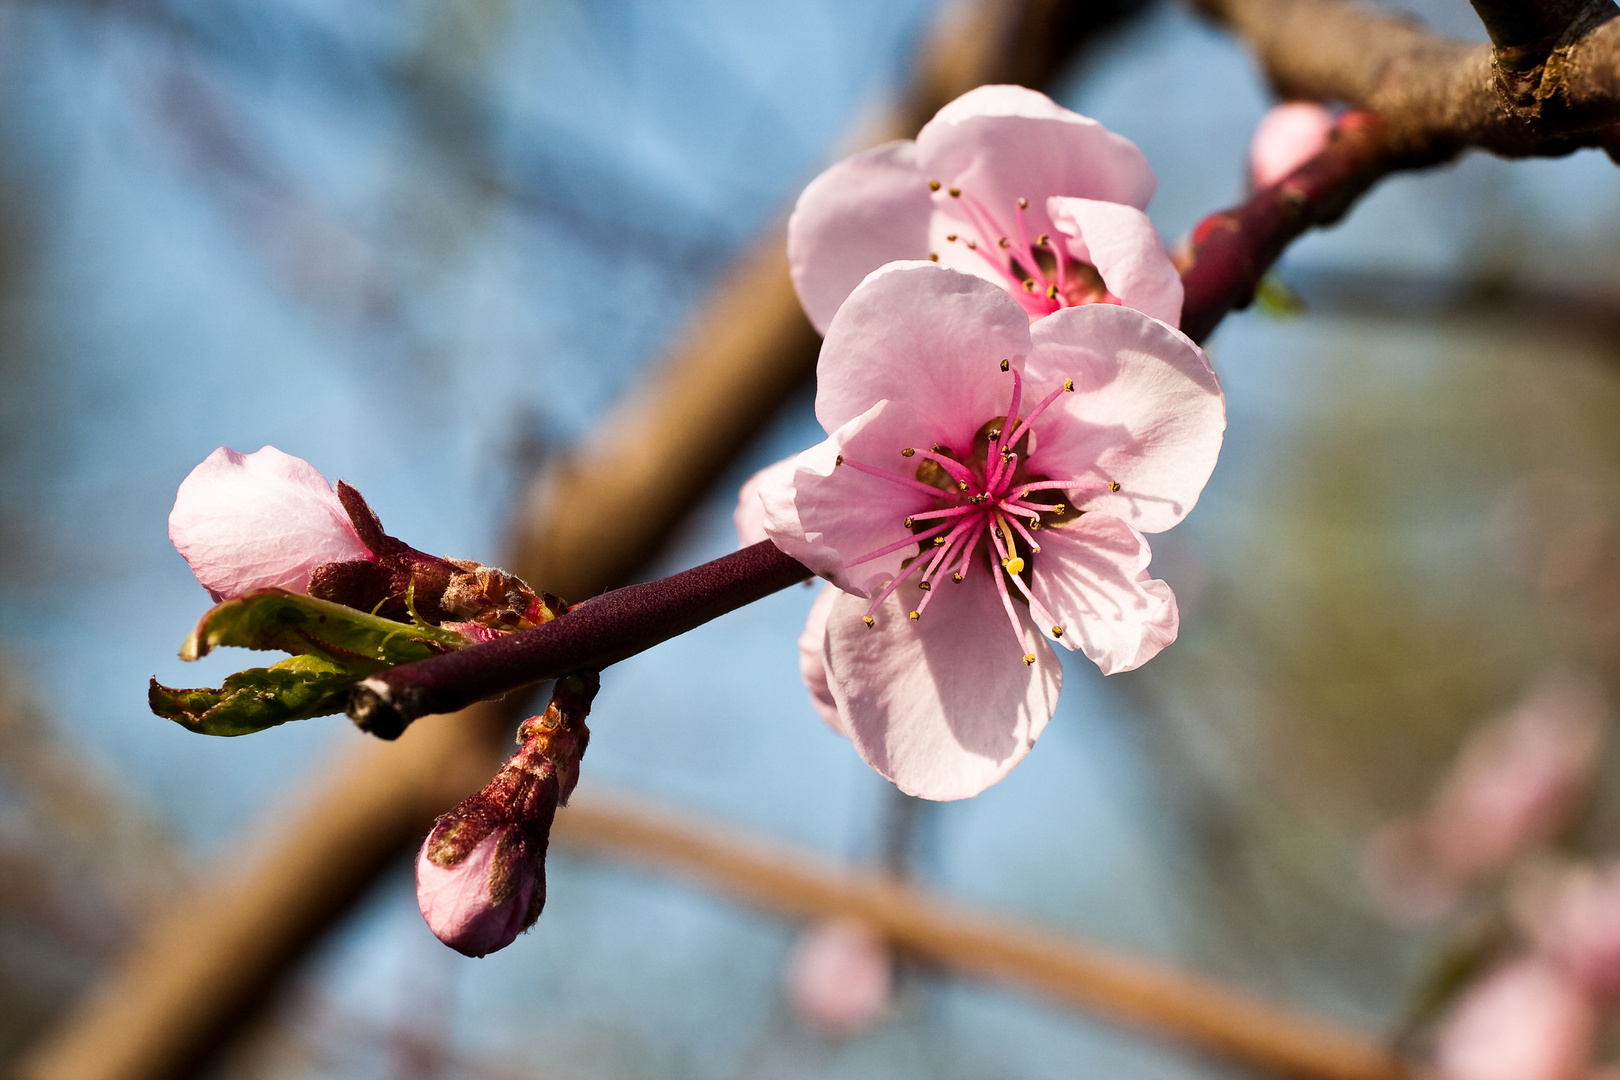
(1151, 996)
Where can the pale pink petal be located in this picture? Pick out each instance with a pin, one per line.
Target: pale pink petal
(1576, 920)
(943, 706)
(813, 659)
(921, 334)
(1287, 137)
(1002, 143)
(1147, 412)
(749, 517)
(1526, 1021)
(261, 520)
(1123, 245)
(840, 977)
(456, 902)
(830, 515)
(1092, 576)
(867, 210)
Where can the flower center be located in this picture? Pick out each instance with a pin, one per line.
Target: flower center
(1040, 274)
(985, 501)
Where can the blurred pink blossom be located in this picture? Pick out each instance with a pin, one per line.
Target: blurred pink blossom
(1574, 920)
(961, 438)
(261, 520)
(1002, 183)
(1516, 784)
(1528, 1020)
(1287, 137)
(840, 978)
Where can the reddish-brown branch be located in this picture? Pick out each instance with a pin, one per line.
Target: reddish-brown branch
(593, 635)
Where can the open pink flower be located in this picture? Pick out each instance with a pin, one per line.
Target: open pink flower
(1002, 183)
(984, 486)
(262, 520)
(1287, 137)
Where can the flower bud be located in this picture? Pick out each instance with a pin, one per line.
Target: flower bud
(481, 874)
(1287, 137)
(261, 520)
(840, 978)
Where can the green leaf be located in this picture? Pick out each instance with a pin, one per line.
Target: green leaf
(303, 625)
(1276, 299)
(294, 689)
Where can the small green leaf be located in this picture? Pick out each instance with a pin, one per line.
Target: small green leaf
(303, 625)
(1276, 299)
(294, 689)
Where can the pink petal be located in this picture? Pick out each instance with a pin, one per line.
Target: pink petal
(262, 520)
(1147, 412)
(1003, 143)
(1287, 137)
(840, 977)
(867, 210)
(1092, 577)
(1125, 248)
(1526, 1021)
(942, 706)
(921, 334)
(455, 901)
(749, 517)
(813, 659)
(830, 515)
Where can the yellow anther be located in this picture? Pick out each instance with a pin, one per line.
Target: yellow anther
(868, 620)
(973, 245)
(933, 256)
(939, 541)
(908, 451)
(1113, 485)
(839, 460)
(1035, 523)
(1029, 659)
(936, 448)
(1051, 292)
(1029, 285)
(1015, 565)
(950, 238)
(1000, 536)
(956, 193)
(995, 433)
(1023, 204)
(908, 523)
(1068, 384)
(1004, 564)
(924, 586)
(915, 616)
(956, 577)
(1006, 365)
(1002, 241)
(962, 484)
(933, 185)
(1058, 509)
(1057, 631)
(1042, 240)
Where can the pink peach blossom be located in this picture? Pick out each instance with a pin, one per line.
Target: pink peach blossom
(1516, 784)
(1526, 1021)
(468, 904)
(261, 520)
(840, 978)
(1002, 183)
(1001, 474)
(1287, 137)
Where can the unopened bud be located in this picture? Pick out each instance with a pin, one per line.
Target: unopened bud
(481, 874)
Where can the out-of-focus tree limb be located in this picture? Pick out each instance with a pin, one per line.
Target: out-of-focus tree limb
(1125, 989)
(1548, 86)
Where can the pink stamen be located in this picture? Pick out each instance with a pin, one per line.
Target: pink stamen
(1027, 251)
(1023, 425)
(949, 511)
(967, 548)
(1063, 485)
(904, 481)
(1006, 602)
(1036, 608)
(1018, 526)
(959, 472)
(914, 538)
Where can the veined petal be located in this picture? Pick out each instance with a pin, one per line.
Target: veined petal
(839, 513)
(867, 210)
(942, 706)
(1003, 143)
(260, 520)
(1125, 248)
(927, 336)
(1092, 576)
(1147, 412)
(813, 659)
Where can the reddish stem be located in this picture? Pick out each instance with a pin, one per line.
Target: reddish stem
(592, 635)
